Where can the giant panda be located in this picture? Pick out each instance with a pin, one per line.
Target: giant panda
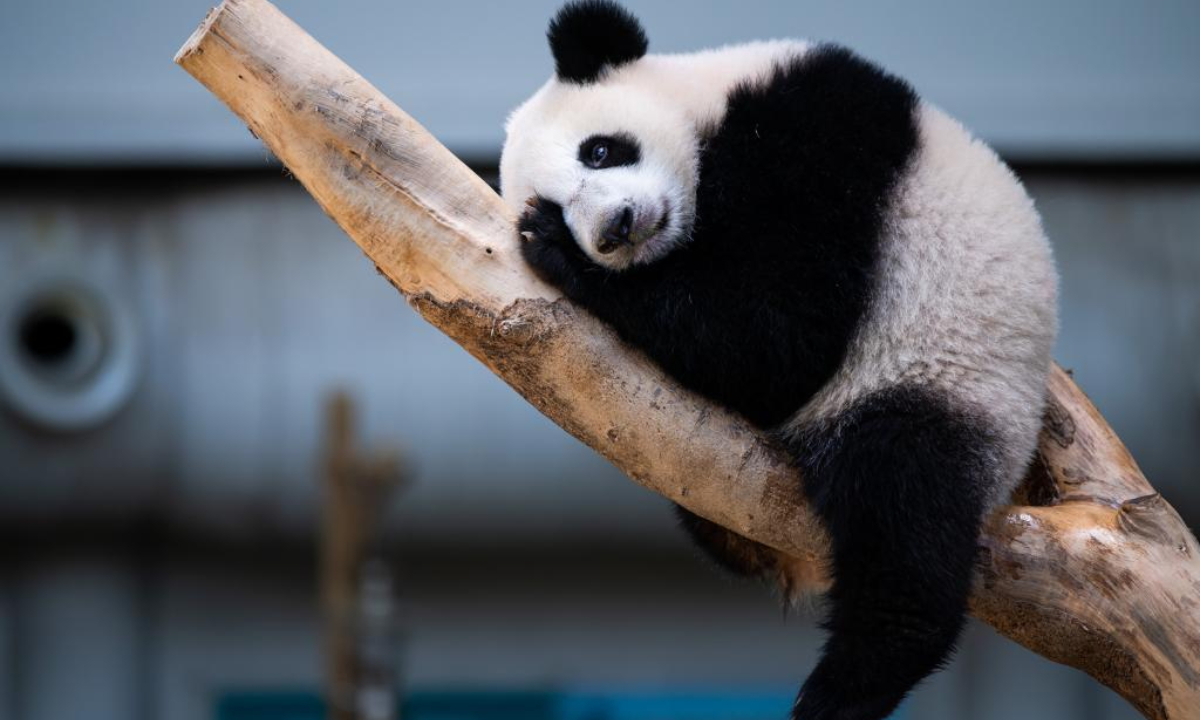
(789, 230)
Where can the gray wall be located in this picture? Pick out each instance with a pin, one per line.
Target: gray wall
(164, 556)
(253, 307)
(87, 81)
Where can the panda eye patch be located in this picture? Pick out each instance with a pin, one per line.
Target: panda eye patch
(605, 151)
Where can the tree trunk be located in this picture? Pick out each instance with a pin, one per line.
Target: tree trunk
(1091, 568)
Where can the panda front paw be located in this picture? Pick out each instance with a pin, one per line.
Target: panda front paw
(543, 221)
(548, 245)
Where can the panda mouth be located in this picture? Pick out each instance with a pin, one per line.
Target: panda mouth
(644, 234)
(632, 228)
(655, 242)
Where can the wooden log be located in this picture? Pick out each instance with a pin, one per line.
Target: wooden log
(1090, 568)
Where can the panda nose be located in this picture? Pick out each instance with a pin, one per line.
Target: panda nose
(617, 232)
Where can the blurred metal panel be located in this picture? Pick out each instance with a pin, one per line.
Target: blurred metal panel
(252, 307)
(82, 82)
(1128, 251)
(114, 469)
(77, 637)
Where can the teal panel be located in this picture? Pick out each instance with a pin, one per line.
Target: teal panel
(531, 705)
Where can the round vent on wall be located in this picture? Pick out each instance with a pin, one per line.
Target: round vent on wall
(68, 352)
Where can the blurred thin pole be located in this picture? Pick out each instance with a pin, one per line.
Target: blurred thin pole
(355, 587)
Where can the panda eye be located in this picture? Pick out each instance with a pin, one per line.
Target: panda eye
(605, 151)
(599, 153)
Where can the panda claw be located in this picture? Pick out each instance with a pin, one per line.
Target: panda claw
(528, 235)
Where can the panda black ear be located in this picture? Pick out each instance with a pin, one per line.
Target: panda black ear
(587, 36)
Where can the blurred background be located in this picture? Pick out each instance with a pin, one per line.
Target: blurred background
(205, 386)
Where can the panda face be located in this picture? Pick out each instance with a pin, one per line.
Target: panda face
(616, 156)
(614, 138)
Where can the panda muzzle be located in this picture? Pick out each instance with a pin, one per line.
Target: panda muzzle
(617, 233)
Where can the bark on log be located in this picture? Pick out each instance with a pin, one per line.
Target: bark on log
(1090, 567)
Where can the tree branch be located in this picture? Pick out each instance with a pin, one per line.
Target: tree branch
(1092, 569)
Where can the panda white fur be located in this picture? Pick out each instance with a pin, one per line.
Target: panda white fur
(789, 230)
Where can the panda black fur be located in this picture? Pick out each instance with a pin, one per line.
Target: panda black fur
(788, 230)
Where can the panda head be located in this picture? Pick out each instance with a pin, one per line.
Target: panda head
(602, 140)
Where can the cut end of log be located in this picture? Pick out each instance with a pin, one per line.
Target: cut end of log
(193, 42)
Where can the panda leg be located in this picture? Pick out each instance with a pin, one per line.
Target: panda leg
(732, 552)
(900, 481)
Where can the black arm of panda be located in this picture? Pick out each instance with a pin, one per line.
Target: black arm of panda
(652, 308)
(551, 250)
(701, 327)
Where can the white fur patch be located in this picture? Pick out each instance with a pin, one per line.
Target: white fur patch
(967, 298)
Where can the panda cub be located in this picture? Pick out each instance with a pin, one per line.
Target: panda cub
(790, 231)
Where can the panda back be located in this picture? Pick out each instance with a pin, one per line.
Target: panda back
(963, 302)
